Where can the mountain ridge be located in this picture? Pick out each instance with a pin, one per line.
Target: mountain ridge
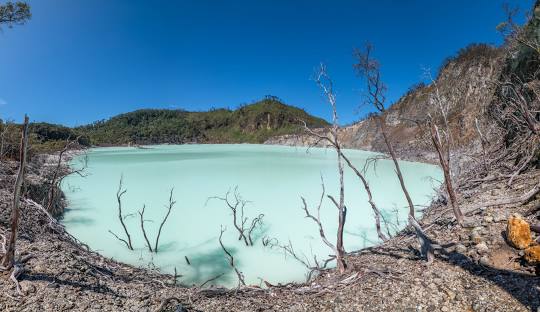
(251, 123)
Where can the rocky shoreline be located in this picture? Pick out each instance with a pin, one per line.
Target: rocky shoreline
(476, 270)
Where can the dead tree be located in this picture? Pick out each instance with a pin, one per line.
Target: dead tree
(514, 33)
(237, 206)
(376, 212)
(141, 215)
(57, 176)
(230, 259)
(443, 144)
(339, 254)
(9, 257)
(121, 191)
(288, 249)
(169, 208)
(325, 83)
(445, 165)
(369, 69)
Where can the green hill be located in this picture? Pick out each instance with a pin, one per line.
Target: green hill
(252, 123)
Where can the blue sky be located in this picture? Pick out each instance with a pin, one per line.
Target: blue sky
(76, 62)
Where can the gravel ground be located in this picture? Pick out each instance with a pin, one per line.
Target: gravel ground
(474, 270)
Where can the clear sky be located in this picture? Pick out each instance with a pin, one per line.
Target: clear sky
(76, 62)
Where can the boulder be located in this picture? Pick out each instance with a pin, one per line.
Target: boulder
(518, 232)
(532, 254)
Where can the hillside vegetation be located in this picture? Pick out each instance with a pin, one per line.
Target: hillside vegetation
(252, 123)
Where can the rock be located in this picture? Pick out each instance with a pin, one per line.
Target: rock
(518, 232)
(500, 216)
(460, 248)
(470, 223)
(475, 237)
(488, 219)
(482, 248)
(532, 254)
(485, 261)
(451, 294)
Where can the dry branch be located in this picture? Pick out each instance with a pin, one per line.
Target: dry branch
(445, 164)
(230, 259)
(121, 191)
(376, 211)
(237, 207)
(9, 256)
(55, 179)
(326, 84)
(169, 208)
(369, 69)
(141, 215)
(507, 201)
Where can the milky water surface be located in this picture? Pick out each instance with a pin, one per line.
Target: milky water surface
(272, 178)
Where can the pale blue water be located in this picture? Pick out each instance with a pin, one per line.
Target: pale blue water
(272, 178)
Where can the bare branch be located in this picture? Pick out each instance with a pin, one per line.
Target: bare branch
(119, 193)
(141, 215)
(169, 208)
(230, 258)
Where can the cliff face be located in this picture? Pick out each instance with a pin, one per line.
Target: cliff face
(465, 81)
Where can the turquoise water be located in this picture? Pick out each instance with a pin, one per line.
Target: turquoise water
(272, 178)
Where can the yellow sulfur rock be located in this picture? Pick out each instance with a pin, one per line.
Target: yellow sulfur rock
(532, 254)
(518, 232)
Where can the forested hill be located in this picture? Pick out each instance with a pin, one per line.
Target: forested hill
(252, 123)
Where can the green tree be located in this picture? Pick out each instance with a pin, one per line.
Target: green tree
(14, 13)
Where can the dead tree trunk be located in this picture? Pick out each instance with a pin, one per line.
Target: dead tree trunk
(9, 257)
(169, 208)
(382, 126)
(325, 83)
(369, 69)
(435, 137)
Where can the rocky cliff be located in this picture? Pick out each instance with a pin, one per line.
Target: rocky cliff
(465, 81)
